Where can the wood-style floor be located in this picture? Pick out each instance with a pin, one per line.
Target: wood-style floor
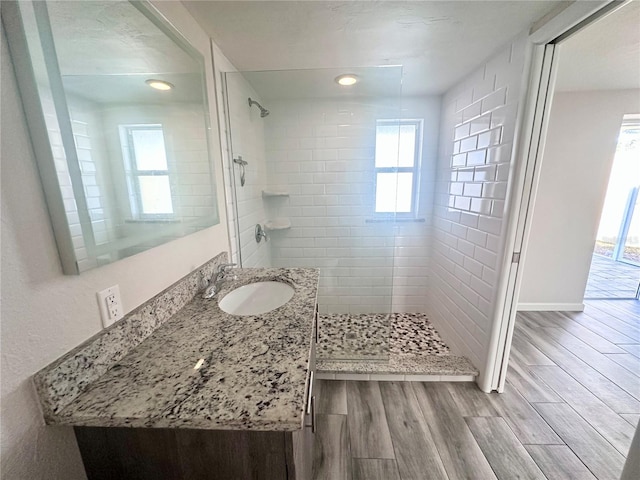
(569, 410)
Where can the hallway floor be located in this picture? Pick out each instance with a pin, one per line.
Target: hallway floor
(569, 410)
(610, 279)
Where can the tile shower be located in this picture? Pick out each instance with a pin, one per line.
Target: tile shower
(310, 164)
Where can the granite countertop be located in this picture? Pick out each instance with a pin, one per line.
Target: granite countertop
(254, 375)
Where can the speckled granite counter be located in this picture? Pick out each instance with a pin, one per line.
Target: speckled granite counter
(254, 374)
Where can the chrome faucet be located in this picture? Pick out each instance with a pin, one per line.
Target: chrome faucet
(216, 281)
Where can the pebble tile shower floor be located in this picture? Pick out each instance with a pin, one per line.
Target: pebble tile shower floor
(392, 344)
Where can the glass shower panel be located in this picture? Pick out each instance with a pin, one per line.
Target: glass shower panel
(246, 172)
(311, 184)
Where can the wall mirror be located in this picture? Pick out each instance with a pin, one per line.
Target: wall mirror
(117, 107)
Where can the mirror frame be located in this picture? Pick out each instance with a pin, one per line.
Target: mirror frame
(30, 97)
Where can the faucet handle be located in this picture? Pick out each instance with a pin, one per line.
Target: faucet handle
(222, 268)
(203, 282)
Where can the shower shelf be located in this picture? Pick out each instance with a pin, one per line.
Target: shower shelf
(274, 193)
(277, 224)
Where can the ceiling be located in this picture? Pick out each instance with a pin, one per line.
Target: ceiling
(104, 37)
(436, 42)
(603, 56)
(132, 89)
(320, 83)
(106, 50)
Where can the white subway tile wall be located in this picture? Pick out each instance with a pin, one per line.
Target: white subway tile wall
(91, 149)
(87, 131)
(476, 139)
(322, 153)
(64, 178)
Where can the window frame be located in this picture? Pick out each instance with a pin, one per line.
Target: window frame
(134, 173)
(414, 170)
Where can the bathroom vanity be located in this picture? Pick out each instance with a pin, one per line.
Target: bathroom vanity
(204, 395)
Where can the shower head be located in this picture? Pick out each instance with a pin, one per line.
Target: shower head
(263, 111)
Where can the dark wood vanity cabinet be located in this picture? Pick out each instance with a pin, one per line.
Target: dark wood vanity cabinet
(177, 454)
(111, 453)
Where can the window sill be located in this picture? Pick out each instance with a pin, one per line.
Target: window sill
(157, 220)
(394, 220)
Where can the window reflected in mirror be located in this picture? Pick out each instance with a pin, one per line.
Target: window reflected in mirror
(145, 163)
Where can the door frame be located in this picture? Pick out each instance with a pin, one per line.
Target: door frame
(526, 180)
(544, 37)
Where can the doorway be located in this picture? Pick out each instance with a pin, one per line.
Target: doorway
(575, 110)
(615, 267)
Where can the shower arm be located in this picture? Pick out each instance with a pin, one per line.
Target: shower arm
(263, 111)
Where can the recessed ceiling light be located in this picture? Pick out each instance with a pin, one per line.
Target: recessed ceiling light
(347, 80)
(159, 84)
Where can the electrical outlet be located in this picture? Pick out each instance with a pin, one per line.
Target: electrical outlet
(110, 305)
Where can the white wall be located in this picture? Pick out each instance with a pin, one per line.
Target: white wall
(322, 152)
(474, 170)
(45, 313)
(580, 147)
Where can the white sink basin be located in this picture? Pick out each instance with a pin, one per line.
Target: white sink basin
(256, 298)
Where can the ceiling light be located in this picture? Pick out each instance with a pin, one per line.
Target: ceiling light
(347, 80)
(159, 84)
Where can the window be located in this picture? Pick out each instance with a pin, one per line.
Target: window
(147, 172)
(396, 166)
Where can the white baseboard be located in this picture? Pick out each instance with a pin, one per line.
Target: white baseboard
(551, 307)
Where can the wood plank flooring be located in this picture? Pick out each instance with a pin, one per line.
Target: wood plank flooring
(569, 410)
